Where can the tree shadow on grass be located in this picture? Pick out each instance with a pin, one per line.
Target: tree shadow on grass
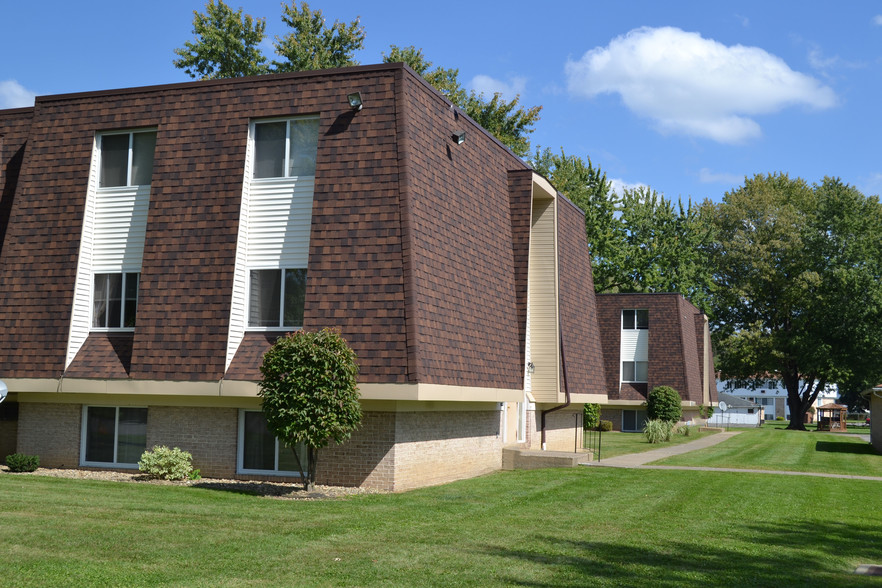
(804, 554)
(846, 447)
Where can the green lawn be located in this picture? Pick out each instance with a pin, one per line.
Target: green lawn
(615, 443)
(570, 527)
(775, 448)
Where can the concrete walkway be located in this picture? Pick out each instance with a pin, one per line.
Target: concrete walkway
(634, 460)
(639, 460)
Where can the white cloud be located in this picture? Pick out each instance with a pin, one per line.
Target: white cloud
(706, 176)
(619, 186)
(14, 95)
(694, 86)
(489, 86)
(877, 20)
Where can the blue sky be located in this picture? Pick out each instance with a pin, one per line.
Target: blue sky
(685, 97)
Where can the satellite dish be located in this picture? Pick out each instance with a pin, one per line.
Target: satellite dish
(3, 391)
(723, 406)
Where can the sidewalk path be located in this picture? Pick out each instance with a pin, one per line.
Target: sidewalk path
(633, 460)
(639, 460)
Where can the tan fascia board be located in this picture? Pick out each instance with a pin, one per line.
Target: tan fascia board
(540, 183)
(589, 398)
(422, 392)
(238, 389)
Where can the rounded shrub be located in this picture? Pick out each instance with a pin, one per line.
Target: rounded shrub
(166, 464)
(19, 462)
(606, 426)
(663, 403)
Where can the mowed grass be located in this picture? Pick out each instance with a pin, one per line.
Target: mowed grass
(584, 526)
(614, 443)
(776, 448)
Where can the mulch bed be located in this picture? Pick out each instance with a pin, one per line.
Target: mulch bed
(276, 490)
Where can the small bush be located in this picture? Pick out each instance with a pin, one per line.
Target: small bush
(705, 412)
(166, 464)
(658, 431)
(779, 418)
(19, 462)
(683, 429)
(592, 416)
(606, 426)
(663, 403)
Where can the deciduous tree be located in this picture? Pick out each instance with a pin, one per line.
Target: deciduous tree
(507, 120)
(309, 393)
(311, 44)
(639, 241)
(800, 296)
(227, 44)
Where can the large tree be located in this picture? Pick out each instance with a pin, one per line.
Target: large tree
(311, 44)
(310, 394)
(800, 297)
(639, 241)
(226, 44)
(507, 120)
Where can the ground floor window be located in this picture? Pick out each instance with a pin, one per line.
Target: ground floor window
(633, 420)
(260, 452)
(113, 435)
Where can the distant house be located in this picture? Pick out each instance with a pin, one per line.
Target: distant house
(772, 396)
(739, 413)
(652, 340)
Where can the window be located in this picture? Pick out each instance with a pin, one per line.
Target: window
(635, 319)
(126, 159)
(633, 420)
(113, 436)
(260, 452)
(635, 371)
(285, 149)
(277, 298)
(115, 300)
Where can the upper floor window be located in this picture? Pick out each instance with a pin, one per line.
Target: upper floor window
(284, 149)
(115, 300)
(276, 298)
(126, 158)
(635, 319)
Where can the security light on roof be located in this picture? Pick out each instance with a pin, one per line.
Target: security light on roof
(355, 101)
(459, 137)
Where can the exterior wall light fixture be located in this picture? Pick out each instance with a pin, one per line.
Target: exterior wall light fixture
(459, 137)
(355, 102)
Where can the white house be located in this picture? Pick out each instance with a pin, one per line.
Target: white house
(739, 413)
(772, 396)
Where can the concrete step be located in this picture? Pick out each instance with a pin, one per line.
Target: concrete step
(514, 458)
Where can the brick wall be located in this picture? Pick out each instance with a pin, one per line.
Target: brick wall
(209, 434)
(51, 431)
(439, 447)
(366, 459)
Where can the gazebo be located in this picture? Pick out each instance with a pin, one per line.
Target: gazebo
(831, 417)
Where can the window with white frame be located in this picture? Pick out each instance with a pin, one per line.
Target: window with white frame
(115, 300)
(634, 347)
(276, 298)
(635, 319)
(635, 371)
(285, 149)
(126, 158)
(113, 435)
(259, 452)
